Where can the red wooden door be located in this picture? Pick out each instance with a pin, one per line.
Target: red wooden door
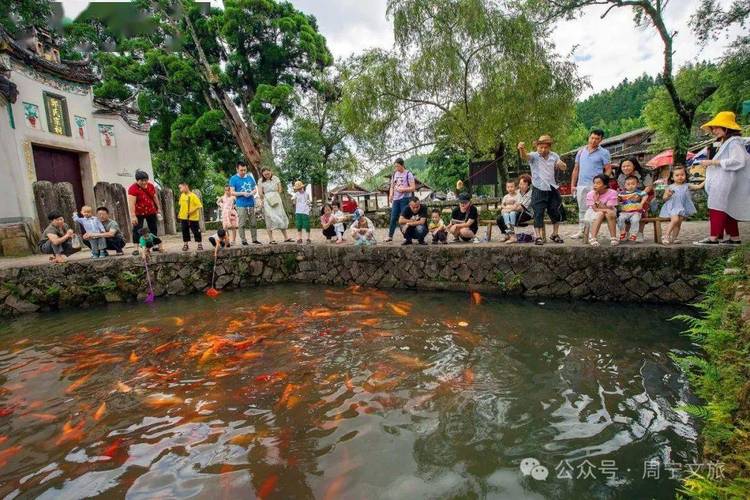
(55, 165)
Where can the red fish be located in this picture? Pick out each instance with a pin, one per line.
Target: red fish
(468, 376)
(398, 310)
(100, 411)
(7, 410)
(268, 486)
(44, 417)
(71, 433)
(165, 347)
(113, 448)
(268, 377)
(77, 384)
(133, 357)
(476, 298)
(335, 488)
(8, 453)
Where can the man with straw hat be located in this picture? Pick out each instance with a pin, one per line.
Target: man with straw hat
(544, 191)
(727, 181)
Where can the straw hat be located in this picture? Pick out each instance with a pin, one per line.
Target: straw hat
(544, 139)
(725, 119)
(299, 185)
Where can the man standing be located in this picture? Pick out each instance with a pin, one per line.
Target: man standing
(111, 234)
(244, 189)
(591, 160)
(413, 221)
(544, 191)
(402, 184)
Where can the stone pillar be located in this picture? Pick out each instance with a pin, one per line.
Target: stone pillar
(45, 200)
(201, 220)
(66, 201)
(167, 208)
(160, 223)
(115, 198)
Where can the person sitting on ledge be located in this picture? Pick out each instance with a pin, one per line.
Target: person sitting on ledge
(56, 239)
(464, 219)
(112, 234)
(522, 209)
(413, 220)
(362, 229)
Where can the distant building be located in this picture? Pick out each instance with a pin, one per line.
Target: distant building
(52, 128)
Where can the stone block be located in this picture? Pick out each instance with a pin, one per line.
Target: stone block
(637, 287)
(175, 287)
(223, 281)
(683, 291)
(20, 306)
(16, 247)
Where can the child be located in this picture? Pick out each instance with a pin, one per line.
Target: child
(601, 201)
(92, 225)
(219, 240)
(148, 242)
(363, 230)
(189, 214)
(301, 211)
(678, 204)
(508, 209)
(631, 201)
(339, 225)
(229, 216)
(436, 227)
(327, 222)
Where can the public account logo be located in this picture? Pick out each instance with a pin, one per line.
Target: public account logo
(532, 467)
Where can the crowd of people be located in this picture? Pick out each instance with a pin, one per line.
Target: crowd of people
(620, 200)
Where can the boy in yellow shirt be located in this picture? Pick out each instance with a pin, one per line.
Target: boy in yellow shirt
(189, 215)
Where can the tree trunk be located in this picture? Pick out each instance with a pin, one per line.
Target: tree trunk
(502, 167)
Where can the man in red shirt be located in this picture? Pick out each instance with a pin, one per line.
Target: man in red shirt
(143, 204)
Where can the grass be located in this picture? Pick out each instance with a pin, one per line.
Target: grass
(721, 378)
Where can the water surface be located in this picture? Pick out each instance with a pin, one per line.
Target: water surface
(307, 392)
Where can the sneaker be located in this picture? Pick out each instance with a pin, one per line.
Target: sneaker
(476, 240)
(623, 236)
(136, 252)
(119, 253)
(640, 238)
(406, 242)
(308, 241)
(422, 242)
(200, 247)
(185, 247)
(730, 242)
(576, 236)
(706, 241)
(244, 243)
(633, 238)
(256, 242)
(299, 241)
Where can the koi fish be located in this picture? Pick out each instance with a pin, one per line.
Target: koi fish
(251, 355)
(468, 376)
(246, 343)
(476, 298)
(113, 448)
(123, 387)
(398, 310)
(242, 439)
(100, 411)
(286, 396)
(463, 324)
(234, 325)
(44, 417)
(165, 347)
(77, 384)
(8, 453)
(268, 486)
(206, 355)
(319, 313)
(3, 439)
(7, 410)
(334, 489)
(133, 357)
(161, 400)
(71, 433)
(271, 377)
(369, 322)
(408, 361)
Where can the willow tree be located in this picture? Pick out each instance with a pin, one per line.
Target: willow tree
(463, 72)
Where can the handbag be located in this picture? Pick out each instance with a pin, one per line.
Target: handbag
(273, 198)
(75, 242)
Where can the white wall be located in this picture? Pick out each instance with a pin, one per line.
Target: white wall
(98, 163)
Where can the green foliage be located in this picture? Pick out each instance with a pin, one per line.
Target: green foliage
(445, 166)
(18, 15)
(720, 377)
(622, 102)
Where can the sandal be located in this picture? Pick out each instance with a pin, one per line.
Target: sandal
(614, 242)
(633, 238)
(387, 240)
(309, 241)
(594, 242)
(556, 238)
(539, 241)
(299, 242)
(185, 247)
(665, 241)
(289, 240)
(272, 242)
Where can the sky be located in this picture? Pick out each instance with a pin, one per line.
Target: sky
(606, 50)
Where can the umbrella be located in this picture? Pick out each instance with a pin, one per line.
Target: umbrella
(665, 158)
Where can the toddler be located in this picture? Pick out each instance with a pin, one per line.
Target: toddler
(148, 242)
(601, 202)
(301, 211)
(436, 227)
(678, 204)
(92, 225)
(509, 209)
(631, 201)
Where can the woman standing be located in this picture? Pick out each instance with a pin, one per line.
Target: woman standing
(228, 212)
(270, 192)
(143, 205)
(727, 181)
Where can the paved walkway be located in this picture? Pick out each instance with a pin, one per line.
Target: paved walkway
(691, 231)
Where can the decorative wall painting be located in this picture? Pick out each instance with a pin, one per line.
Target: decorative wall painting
(107, 136)
(80, 130)
(31, 116)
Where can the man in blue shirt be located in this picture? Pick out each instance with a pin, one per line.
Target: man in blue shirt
(591, 160)
(243, 187)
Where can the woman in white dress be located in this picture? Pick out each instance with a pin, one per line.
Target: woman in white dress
(727, 181)
(270, 191)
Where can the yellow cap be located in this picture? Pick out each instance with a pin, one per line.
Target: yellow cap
(725, 119)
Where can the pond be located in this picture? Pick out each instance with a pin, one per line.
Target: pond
(308, 392)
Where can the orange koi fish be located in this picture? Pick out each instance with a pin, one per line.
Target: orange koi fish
(271, 377)
(8, 453)
(159, 400)
(3, 439)
(206, 355)
(77, 384)
(133, 357)
(398, 310)
(113, 448)
(287, 399)
(408, 361)
(468, 376)
(370, 322)
(7, 410)
(247, 343)
(268, 486)
(319, 313)
(121, 387)
(100, 411)
(71, 433)
(242, 439)
(251, 355)
(476, 298)
(44, 417)
(165, 347)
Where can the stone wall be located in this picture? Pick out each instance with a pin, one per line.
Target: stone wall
(640, 274)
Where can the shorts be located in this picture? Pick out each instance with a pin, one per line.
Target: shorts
(302, 221)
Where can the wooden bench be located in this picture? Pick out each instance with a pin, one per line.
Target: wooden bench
(656, 221)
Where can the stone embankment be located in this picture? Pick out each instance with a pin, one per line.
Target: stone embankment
(645, 274)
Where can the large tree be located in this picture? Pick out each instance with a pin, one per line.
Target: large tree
(463, 72)
(646, 14)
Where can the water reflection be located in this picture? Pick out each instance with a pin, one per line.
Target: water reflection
(371, 395)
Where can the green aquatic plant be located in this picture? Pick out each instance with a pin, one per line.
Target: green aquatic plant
(721, 378)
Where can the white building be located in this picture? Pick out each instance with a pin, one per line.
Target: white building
(52, 128)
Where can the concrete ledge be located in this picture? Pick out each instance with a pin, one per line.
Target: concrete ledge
(625, 274)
